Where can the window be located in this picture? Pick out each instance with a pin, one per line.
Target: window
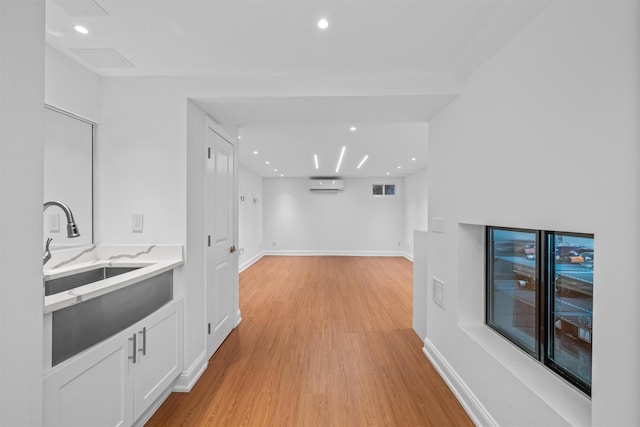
(383, 189)
(540, 296)
(513, 287)
(570, 281)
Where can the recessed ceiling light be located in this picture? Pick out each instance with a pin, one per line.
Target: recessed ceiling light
(81, 29)
(275, 170)
(323, 24)
(352, 128)
(388, 173)
(267, 162)
(239, 137)
(255, 152)
(413, 159)
(364, 159)
(340, 159)
(399, 167)
(281, 174)
(315, 159)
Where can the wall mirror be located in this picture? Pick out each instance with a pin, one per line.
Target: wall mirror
(68, 176)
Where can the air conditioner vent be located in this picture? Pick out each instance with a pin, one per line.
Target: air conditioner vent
(330, 185)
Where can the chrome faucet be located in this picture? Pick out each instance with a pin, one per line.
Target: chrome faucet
(46, 256)
(72, 228)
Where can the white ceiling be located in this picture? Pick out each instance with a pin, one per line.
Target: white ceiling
(205, 37)
(392, 38)
(287, 132)
(390, 147)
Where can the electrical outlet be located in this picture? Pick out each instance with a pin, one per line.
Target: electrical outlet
(274, 243)
(437, 225)
(137, 222)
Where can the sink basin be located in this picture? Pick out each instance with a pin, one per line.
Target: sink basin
(88, 322)
(61, 284)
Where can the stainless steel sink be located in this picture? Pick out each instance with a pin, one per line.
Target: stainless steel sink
(61, 284)
(86, 323)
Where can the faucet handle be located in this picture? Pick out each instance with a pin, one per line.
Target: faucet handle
(46, 256)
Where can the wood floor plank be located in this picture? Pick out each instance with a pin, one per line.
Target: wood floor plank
(324, 341)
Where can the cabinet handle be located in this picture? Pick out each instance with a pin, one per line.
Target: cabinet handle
(144, 341)
(133, 338)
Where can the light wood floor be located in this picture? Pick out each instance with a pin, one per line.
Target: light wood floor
(324, 341)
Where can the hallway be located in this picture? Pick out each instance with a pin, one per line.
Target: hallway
(324, 341)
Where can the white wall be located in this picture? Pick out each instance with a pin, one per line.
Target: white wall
(21, 192)
(420, 282)
(251, 218)
(416, 209)
(543, 136)
(349, 222)
(193, 281)
(142, 136)
(141, 162)
(71, 87)
(74, 89)
(416, 219)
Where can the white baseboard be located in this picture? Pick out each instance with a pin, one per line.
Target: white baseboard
(239, 317)
(474, 408)
(334, 253)
(152, 409)
(250, 262)
(188, 378)
(408, 256)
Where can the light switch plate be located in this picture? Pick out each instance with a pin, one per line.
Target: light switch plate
(54, 223)
(137, 222)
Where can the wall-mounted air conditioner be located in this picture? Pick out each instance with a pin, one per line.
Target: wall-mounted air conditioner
(326, 185)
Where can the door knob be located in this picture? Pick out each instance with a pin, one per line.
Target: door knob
(232, 249)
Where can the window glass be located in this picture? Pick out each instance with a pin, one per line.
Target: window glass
(540, 296)
(389, 189)
(512, 285)
(572, 303)
(377, 189)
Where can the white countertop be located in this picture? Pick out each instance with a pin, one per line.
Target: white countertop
(152, 260)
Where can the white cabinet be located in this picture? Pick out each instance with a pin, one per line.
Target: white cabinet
(102, 386)
(159, 358)
(93, 389)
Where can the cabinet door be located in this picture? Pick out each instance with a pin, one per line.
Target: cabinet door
(159, 356)
(92, 389)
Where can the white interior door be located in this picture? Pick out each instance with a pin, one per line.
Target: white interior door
(220, 251)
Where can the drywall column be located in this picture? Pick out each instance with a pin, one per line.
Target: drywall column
(21, 192)
(420, 282)
(250, 217)
(415, 208)
(195, 342)
(543, 136)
